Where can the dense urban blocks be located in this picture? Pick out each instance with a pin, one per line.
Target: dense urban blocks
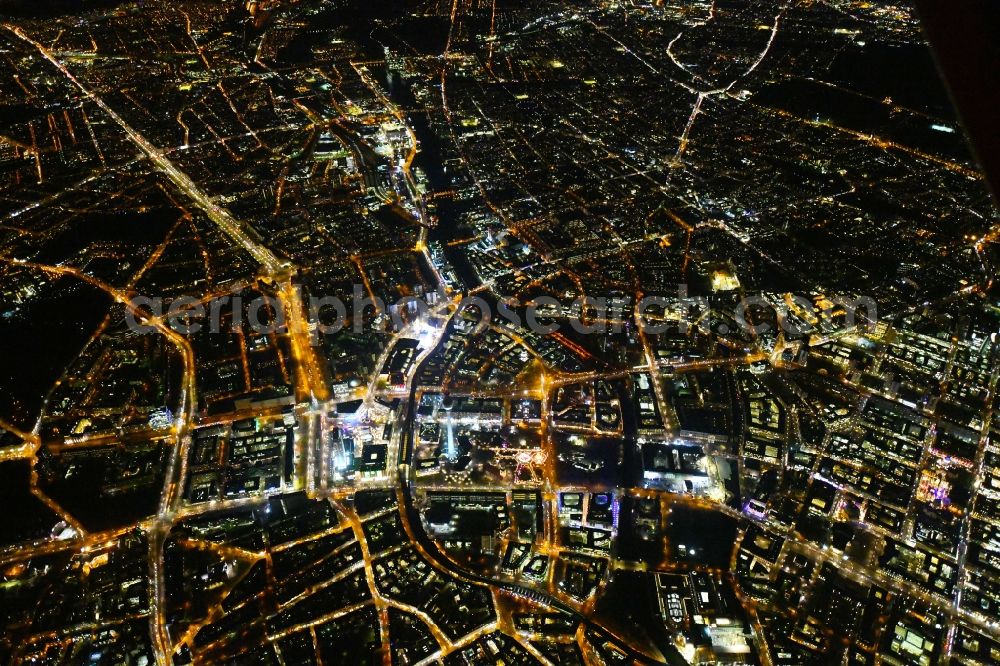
(492, 332)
